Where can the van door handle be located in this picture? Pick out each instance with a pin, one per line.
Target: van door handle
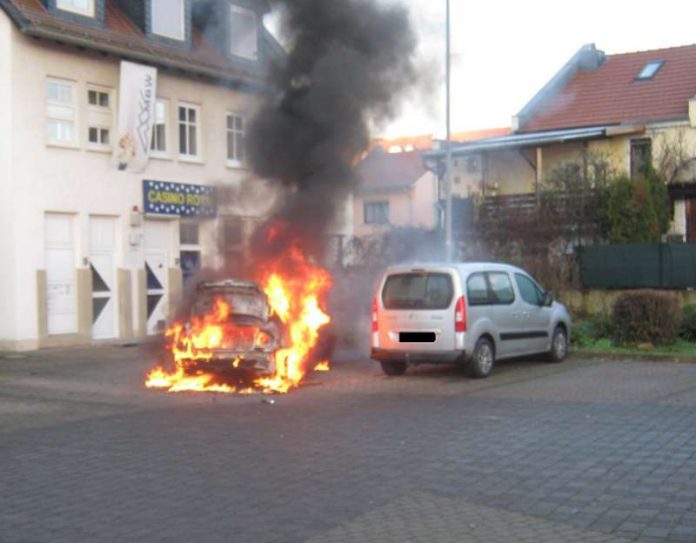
(525, 314)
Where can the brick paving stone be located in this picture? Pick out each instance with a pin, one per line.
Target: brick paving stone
(581, 451)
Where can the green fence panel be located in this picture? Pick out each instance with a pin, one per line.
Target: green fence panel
(655, 265)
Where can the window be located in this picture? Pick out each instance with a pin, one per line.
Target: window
(159, 129)
(188, 131)
(477, 289)
(82, 7)
(640, 157)
(233, 240)
(188, 233)
(501, 287)
(418, 291)
(167, 18)
(99, 117)
(235, 139)
(649, 70)
(376, 212)
(243, 33)
(60, 112)
(529, 291)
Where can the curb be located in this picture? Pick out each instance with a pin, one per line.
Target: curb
(636, 356)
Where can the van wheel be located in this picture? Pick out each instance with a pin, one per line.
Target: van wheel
(559, 345)
(393, 367)
(482, 359)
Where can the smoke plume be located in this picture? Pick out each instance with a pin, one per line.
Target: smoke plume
(348, 63)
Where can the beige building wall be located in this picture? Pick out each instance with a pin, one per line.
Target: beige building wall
(410, 207)
(39, 178)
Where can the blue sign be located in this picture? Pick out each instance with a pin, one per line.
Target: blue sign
(164, 198)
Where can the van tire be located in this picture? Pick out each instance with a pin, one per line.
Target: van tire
(482, 359)
(559, 345)
(393, 367)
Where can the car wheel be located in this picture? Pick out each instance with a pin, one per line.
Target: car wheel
(482, 359)
(393, 367)
(559, 345)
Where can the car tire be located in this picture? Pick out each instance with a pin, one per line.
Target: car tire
(393, 367)
(482, 359)
(559, 345)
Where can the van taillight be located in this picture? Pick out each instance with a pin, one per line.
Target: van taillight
(375, 323)
(460, 315)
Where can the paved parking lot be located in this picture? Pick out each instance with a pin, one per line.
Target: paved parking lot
(588, 450)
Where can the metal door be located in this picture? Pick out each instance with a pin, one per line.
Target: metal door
(102, 267)
(61, 282)
(157, 238)
(537, 317)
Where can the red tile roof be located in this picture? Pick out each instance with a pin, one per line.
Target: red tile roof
(121, 34)
(389, 172)
(611, 95)
(475, 135)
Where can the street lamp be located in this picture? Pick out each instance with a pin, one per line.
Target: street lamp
(448, 159)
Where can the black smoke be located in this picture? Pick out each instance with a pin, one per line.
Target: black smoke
(348, 64)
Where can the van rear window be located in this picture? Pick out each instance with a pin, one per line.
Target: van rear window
(418, 291)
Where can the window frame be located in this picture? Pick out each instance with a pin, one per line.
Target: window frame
(168, 36)
(244, 12)
(187, 156)
(233, 133)
(370, 204)
(634, 145)
(493, 297)
(656, 63)
(74, 143)
(156, 153)
(91, 12)
(95, 112)
(537, 289)
(488, 300)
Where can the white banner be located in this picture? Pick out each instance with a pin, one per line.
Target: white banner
(136, 116)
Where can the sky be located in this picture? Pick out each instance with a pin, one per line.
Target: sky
(504, 51)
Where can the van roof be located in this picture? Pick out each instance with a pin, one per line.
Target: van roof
(462, 267)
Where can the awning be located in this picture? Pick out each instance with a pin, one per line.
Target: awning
(532, 139)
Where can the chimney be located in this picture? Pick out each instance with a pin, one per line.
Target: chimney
(692, 112)
(589, 58)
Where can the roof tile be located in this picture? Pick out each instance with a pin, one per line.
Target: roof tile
(612, 95)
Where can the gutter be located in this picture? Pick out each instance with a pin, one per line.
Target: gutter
(237, 81)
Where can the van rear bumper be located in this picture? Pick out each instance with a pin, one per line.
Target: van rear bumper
(417, 357)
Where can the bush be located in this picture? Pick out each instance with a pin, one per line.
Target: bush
(687, 328)
(587, 332)
(646, 316)
(635, 211)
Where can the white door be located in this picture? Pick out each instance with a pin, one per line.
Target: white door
(61, 282)
(102, 266)
(157, 237)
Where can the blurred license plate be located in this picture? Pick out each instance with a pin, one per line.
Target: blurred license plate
(417, 337)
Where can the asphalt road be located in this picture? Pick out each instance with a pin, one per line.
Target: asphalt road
(588, 450)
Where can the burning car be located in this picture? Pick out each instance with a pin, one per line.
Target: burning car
(243, 333)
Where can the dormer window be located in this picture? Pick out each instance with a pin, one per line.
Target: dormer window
(168, 18)
(649, 70)
(243, 33)
(81, 7)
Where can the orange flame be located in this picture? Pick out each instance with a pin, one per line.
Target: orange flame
(296, 291)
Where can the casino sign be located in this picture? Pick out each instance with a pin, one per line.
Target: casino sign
(184, 200)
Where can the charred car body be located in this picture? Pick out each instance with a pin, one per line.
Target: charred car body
(249, 334)
(245, 335)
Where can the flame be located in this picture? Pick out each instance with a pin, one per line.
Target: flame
(296, 291)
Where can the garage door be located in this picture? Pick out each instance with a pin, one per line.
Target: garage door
(102, 267)
(157, 243)
(61, 281)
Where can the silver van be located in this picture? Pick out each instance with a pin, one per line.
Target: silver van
(472, 313)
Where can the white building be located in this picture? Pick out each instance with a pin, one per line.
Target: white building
(88, 252)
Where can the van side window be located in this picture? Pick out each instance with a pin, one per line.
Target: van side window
(477, 289)
(528, 290)
(501, 287)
